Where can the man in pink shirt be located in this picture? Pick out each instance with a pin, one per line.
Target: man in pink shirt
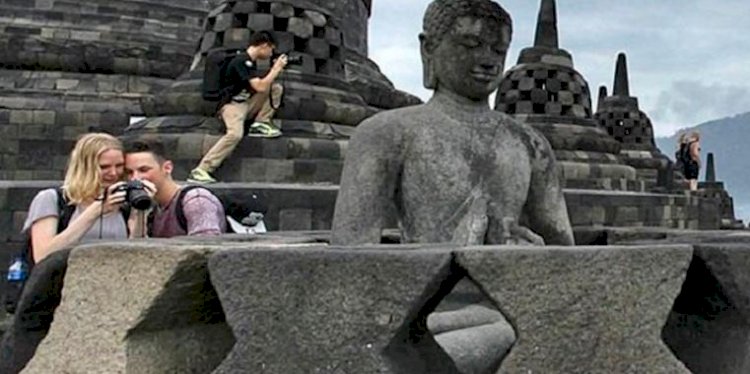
(145, 160)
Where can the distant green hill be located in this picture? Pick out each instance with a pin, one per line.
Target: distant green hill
(729, 140)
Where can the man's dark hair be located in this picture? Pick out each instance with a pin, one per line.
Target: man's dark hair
(152, 146)
(260, 38)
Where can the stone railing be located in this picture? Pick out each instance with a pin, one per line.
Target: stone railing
(297, 306)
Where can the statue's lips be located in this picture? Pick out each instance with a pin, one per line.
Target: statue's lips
(484, 77)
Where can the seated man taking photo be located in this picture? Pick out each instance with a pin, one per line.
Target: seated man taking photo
(248, 94)
(202, 212)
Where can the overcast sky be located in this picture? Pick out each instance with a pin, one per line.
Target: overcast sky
(689, 60)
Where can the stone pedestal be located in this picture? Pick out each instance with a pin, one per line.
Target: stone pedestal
(306, 308)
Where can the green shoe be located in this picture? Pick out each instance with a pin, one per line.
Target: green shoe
(263, 130)
(200, 176)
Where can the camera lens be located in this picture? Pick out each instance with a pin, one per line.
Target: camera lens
(137, 196)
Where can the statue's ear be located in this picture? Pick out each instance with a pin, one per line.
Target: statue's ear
(428, 69)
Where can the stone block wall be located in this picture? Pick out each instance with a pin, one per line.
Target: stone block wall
(42, 113)
(288, 159)
(626, 209)
(72, 67)
(147, 38)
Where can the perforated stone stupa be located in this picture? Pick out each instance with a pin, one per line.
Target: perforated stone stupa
(545, 90)
(622, 118)
(334, 88)
(69, 67)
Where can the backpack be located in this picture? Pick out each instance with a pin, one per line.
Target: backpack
(215, 87)
(13, 289)
(678, 157)
(232, 210)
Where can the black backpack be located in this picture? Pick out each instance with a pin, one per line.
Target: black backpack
(682, 155)
(215, 87)
(236, 211)
(678, 157)
(13, 291)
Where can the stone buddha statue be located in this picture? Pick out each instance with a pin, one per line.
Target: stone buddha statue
(455, 171)
(452, 169)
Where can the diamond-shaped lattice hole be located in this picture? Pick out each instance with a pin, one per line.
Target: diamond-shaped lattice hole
(708, 327)
(457, 330)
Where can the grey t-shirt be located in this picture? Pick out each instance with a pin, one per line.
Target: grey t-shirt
(45, 205)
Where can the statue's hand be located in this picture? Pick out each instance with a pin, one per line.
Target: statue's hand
(516, 234)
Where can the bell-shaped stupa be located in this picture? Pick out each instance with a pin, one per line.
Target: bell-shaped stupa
(620, 115)
(545, 90)
(333, 89)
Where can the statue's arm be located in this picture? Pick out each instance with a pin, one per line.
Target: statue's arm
(368, 183)
(545, 211)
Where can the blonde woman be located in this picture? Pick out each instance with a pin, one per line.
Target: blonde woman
(96, 165)
(693, 159)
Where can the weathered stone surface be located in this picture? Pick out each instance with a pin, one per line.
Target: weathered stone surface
(282, 10)
(300, 27)
(123, 36)
(325, 310)
(583, 310)
(58, 112)
(318, 19)
(709, 327)
(136, 308)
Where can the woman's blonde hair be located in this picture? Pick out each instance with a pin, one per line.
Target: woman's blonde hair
(682, 139)
(82, 178)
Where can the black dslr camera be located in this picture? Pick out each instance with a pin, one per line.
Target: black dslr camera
(136, 194)
(290, 60)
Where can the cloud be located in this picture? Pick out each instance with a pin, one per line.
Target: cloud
(679, 51)
(688, 103)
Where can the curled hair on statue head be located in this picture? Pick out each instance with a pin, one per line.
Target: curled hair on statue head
(440, 18)
(441, 14)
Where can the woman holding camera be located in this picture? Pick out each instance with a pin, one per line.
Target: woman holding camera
(95, 171)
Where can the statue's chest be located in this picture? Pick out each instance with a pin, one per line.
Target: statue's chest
(463, 159)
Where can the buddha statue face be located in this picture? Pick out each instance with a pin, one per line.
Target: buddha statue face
(464, 47)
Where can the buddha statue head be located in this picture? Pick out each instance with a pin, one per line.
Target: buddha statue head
(464, 44)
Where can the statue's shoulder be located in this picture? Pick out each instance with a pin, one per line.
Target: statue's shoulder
(397, 116)
(392, 121)
(533, 139)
